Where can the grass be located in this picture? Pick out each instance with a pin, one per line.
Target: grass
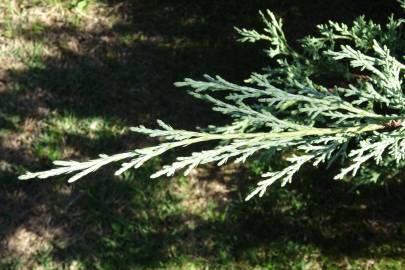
(76, 74)
(135, 223)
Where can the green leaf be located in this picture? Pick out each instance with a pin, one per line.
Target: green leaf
(82, 5)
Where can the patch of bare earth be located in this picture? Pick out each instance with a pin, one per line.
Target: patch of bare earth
(27, 241)
(32, 229)
(32, 233)
(208, 186)
(58, 29)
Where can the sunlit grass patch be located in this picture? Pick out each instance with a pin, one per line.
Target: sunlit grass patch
(63, 135)
(29, 28)
(91, 127)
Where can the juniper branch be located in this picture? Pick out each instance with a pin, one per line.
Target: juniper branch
(284, 109)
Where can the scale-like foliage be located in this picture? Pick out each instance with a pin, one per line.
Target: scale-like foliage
(342, 87)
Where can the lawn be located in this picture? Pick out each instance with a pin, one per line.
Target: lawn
(75, 74)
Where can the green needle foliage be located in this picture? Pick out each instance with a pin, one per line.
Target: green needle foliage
(339, 97)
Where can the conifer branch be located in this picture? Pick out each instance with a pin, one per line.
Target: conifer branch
(284, 109)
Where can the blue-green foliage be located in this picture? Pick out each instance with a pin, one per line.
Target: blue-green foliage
(337, 97)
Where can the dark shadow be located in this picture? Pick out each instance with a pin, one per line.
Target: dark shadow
(127, 222)
(128, 71)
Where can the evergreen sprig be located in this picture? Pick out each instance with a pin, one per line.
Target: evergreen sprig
(338, 96)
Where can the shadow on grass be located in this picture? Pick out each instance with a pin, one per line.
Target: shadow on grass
(136, 222)
(287, 225)
(126, 73)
